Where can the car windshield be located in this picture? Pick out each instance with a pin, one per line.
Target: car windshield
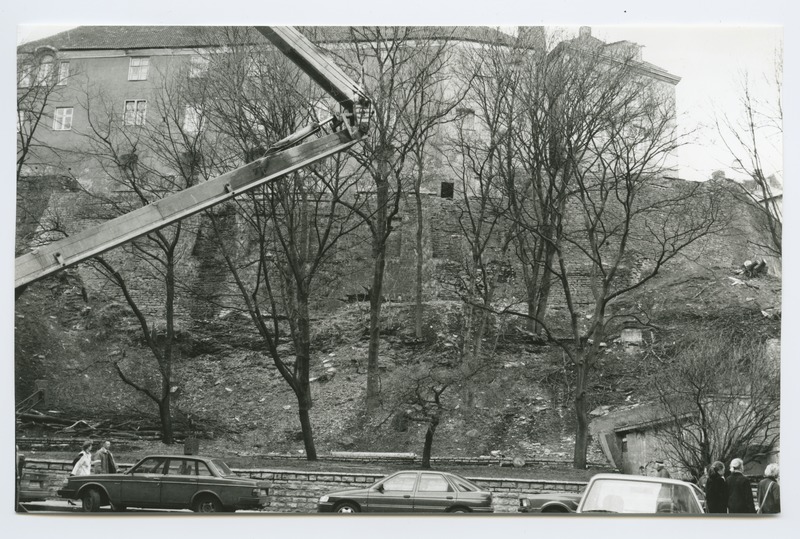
(625, 496)
(222, 468)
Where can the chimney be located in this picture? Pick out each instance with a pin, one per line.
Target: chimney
(585, 31)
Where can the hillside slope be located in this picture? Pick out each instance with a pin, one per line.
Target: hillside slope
(227, 391)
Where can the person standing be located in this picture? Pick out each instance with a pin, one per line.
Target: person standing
(740, 493)
(106, 459)
(769, 491)
(661, 470)
(716, 489)
(85, 462)
(704, 478)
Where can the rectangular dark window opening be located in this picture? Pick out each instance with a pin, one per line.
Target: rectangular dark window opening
(447, 190)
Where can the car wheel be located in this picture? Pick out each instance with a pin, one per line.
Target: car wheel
(347, 507)
(555, 510)
(459, 510)
(207, 504)
(90, 501)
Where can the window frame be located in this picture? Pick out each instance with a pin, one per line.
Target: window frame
(192, 119)
(138, 66)
(44, 73)
(198, 66)
(139, 117)
(60, 120)
(63, 73)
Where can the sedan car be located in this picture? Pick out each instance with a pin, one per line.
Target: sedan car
(205, 485)
(417, 491)
(563, 502)
(634, 494)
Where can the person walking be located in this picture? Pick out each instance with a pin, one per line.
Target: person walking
(661, 470)
(740, 493)
(716, 489)
(106, 459)
(769, 491)
(85, 462)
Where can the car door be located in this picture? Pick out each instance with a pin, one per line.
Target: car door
(394, 495)
(142, 484)
(179, 484)
(434, 493)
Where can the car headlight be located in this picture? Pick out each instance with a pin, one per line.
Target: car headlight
(259, 492)
(323, 499)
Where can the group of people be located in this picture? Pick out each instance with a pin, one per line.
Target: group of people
(734, 493)
(103, 461)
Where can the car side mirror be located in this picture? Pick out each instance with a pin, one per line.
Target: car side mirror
(379, 488)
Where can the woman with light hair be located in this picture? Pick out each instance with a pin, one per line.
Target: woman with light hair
(740, 495)
(769, 491)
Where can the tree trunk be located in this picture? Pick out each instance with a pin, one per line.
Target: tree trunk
(582, 418)
(376, 293)
(418, 291)
(308, 435)
(302, 362)
(165, 414)
(427, 449)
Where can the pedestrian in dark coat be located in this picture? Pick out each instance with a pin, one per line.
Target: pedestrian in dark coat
(716, 489)
(769, 491)
(740, 494)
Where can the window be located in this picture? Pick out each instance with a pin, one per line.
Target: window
(447, 190)
(62, 119)
(193, 118)
(198, 67)
(403, 482)
(151, 465)
(135, 112)
(138, 68)
(25, 77)
(45, 73)
(24, 119)
(467, 119)
(63, 72)
(433, 483)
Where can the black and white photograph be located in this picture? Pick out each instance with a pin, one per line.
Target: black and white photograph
(528, 271)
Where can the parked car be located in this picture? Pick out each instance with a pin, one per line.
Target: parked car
(417, 491)
(33, 485)
(202, 484)
(563, 502)
(616, 493)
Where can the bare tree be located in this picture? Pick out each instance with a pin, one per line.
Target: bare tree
(620, 210)
(401, 67)
(720, 393)
(291, 228)
(417, 393)
(144, 154)
(753, 135)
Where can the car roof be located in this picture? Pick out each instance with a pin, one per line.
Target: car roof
(638, 478)
(196, 457)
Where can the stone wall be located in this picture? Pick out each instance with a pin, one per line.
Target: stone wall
(203, 275)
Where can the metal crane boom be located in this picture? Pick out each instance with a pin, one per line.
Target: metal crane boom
(285, 156)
